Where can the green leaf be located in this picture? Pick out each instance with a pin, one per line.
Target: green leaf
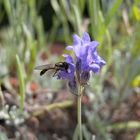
(86, 133)
(75, 135)
(138, 136)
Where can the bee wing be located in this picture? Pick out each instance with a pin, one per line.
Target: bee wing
(41, 67)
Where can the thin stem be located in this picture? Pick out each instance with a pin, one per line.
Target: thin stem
(79, 113)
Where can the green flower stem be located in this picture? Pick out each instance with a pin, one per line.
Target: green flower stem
(79, 120)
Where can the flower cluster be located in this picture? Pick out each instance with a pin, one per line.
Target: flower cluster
(87, 59)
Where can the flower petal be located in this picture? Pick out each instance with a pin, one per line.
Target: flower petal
(68, 58)
(69, 47)
(95, 68)
(76, 39)
(93, 44)
(102, 62)
(86, 37)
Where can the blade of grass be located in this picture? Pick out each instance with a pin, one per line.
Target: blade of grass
(93, 16)
(124, 125)
(8, 7)
(82, 6)
(31, 64)
(53, 31)
(21, 83)
(59, 10)
(112, 11)
(43, 109)
(77, 19)
(96, 20)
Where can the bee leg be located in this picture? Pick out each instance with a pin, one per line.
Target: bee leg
(54, 74)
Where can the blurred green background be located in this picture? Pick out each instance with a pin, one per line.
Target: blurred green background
(35, 32)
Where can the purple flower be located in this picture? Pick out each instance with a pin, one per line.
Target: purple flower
(86, 53)
(87, 59)
(69, 74)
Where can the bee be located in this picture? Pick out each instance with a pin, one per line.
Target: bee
(60, 66)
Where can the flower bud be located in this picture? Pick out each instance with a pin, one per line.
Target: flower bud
(73, 87)
(85, 75)
(78, 69)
